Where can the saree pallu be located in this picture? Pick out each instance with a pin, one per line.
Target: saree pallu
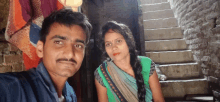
(125, 83)
(24, 24)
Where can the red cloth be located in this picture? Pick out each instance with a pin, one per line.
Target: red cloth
(21, 14)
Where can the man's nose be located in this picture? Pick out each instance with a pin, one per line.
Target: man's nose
(69, 52)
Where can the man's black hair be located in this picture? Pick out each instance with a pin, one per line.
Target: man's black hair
(67, 18)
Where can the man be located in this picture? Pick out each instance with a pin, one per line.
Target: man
(62, 43)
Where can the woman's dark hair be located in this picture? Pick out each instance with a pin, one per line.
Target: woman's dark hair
(67, 18)
(135, 63)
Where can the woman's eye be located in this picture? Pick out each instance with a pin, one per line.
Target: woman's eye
(107, 45)
(58, 42)
(119, 41)
(79, 46)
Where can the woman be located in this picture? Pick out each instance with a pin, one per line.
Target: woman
(124, 76)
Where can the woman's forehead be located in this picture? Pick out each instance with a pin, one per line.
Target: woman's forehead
(110, 36)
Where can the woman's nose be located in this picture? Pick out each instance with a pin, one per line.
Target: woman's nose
(114, 47)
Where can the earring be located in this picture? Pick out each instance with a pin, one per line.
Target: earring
(109, 59)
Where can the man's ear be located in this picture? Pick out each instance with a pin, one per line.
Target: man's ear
(40, 49)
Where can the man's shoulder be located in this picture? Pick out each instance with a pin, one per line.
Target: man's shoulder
(16, 86)
(11, 78)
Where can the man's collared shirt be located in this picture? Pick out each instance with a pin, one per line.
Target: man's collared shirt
(34, 85)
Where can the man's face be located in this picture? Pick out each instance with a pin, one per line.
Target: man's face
(64, 48)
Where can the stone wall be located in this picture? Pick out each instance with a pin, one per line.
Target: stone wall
(10, 56)
(200, 22)
(152, 1)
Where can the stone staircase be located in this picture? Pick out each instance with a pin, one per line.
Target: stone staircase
(165, 45)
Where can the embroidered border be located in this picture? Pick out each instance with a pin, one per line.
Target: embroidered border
(114, 88)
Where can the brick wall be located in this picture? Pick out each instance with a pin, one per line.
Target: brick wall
(200, 21)
(10, 56)
(4, 8)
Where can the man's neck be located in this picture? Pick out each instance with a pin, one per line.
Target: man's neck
(58, 82)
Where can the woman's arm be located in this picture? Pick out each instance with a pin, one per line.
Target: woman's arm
(156, 88)
(101, 92)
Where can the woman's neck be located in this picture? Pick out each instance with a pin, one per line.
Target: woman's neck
(124, 63)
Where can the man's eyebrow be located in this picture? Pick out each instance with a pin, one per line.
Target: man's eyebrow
(81, 41)
(60, 37)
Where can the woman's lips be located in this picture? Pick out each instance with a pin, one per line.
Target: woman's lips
(115, 54)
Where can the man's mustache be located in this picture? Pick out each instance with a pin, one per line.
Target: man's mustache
(65, 59)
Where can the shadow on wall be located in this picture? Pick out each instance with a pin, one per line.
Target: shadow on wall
(2, 33)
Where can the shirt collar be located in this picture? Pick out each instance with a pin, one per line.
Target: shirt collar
(67, 91)
(45, 77)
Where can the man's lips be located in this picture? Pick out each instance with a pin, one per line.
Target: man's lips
(115, 54)
(67, 62)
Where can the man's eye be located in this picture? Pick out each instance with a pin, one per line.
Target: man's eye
(58, 42)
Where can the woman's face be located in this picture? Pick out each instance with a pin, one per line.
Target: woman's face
(116, 46)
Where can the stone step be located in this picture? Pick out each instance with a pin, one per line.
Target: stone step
(168, 57)
(163, 34)
(152, 1)
(160, 23)
(180, 71)
(180, 88)
(158, 14)
(165, 45)
(155, 7)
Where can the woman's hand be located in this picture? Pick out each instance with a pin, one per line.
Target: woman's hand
(156, 88)
(101, 92)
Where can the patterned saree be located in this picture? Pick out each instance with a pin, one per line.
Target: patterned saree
(121, 87)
